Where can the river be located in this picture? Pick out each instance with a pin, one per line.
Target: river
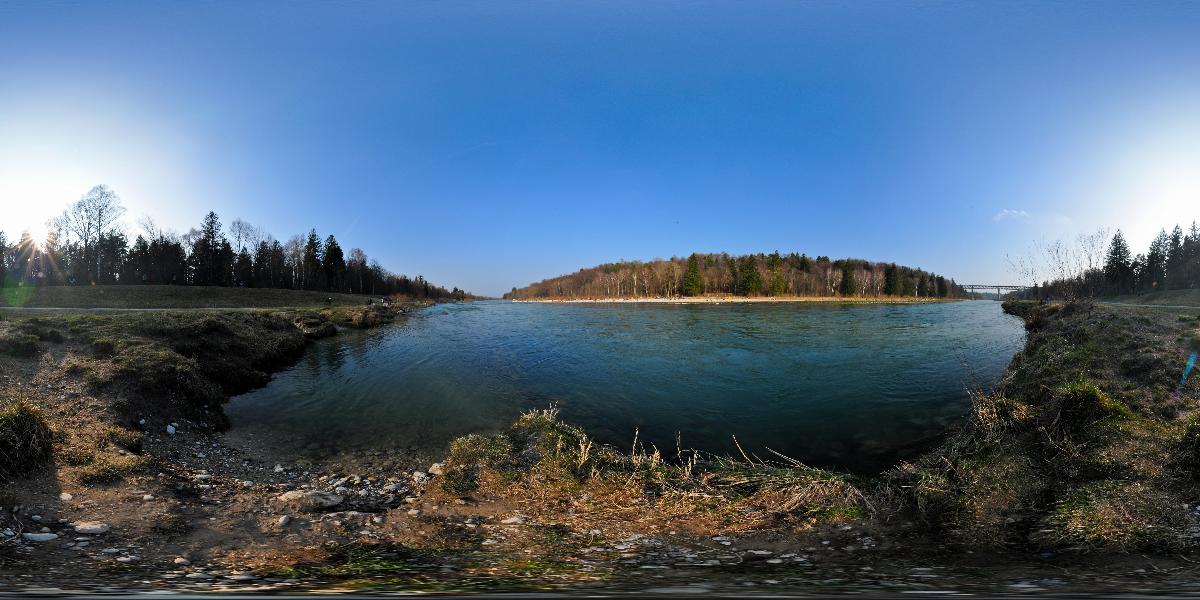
(853, 387)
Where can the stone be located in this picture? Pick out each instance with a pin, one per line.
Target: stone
(284, 520)
(437, 468)
(412, 512)
(309, 500)
(278, 468)
(40, 537)
(65, 497)
(147, 498)
(182, 561)
(515, 520)
(170, 430)
(91, 527)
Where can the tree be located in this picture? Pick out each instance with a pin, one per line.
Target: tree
(312, 261)
(333, 264)
(847, 287)
(89, 219)
(1118, 266)
(1155, 270)
(751, 281)
(1176, 261)
(243, 269)
(692, 284)
(891, 281)
(206, 260)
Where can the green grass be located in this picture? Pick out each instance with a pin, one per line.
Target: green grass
(1166, 298)
(170, 296)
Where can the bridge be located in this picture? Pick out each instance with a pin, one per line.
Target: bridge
(977, 288)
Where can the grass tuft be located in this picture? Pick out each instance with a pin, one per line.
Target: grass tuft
(25, 440)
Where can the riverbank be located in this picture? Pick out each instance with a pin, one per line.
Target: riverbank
(743, 300)
(1083, 456)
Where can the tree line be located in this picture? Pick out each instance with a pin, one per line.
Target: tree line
(760, 274)
(1172, 262)
(87, 245)
(1099, 265)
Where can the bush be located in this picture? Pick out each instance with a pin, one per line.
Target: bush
(1082, 402)
(25, 439)
(460, 481)
(18, 344)
(1118, 515)
(475, 449)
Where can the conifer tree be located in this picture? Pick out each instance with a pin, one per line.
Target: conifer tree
(692, 284)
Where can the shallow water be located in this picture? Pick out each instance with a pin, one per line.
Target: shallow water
(847, 386)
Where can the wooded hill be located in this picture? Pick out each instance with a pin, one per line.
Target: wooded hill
(751, 275)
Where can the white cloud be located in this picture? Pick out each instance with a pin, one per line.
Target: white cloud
(1009, 213)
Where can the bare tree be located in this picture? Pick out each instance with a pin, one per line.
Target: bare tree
(91, 218)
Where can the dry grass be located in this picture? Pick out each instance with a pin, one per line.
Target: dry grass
(26, 441)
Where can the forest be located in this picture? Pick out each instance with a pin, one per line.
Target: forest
(87, 245)
(1096, 265)
(760, 274)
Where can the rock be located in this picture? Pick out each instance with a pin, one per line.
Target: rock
(247, 484)
(284, 520)
(147, 498)
(91, 527)
(419, 476)
(515, 520)
(65, 497)
(410, 500)
(40, 537)
(278, 468)
(198, 576)
(182, 561)
(170, 430)
(412, 512)
(437, 469)
(309, 500)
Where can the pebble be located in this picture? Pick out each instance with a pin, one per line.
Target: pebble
(170, 430)
(309, 499)
(65, 497)
(40, 537)
(278, 468)
(147, 498)
(412, 512)
(437, 468)
(182, 561)
(284, 520)
(515, 520)
(91, 527)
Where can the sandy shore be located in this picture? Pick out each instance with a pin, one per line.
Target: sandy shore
(741, 300)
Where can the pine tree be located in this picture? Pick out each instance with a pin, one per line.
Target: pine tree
(334, 264)
(751, 282)
(847, 287)
(1118, 267)
(692, 283)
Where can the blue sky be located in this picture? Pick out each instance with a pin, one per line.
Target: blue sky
(491, 144)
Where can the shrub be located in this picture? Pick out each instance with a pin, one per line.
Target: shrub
(475, 449)
(18, 344)
(1118, 515)
(1082, 402)
(460, 481)
(25, 439)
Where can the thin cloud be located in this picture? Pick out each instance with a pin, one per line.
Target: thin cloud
(1009, 213)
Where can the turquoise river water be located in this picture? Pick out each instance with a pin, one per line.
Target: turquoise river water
(846, 386)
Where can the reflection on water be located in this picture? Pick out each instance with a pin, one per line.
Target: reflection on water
(843, 386)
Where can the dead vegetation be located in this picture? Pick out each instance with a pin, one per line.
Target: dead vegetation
(25, 438)
(1083, 445)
